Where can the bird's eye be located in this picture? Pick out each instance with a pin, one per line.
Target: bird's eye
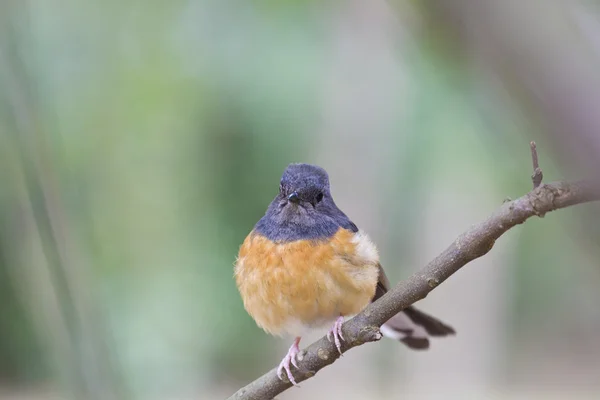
(319, 197)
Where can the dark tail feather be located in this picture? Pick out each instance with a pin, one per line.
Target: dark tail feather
(433, 326)
(413, 328)
(416, 343)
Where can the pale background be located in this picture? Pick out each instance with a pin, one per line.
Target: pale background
(140, 142)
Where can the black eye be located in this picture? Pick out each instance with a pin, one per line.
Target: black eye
(319, 197)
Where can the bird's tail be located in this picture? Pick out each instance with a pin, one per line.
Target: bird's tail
(413, 328)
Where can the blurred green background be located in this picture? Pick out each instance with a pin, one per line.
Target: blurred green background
(141, 141)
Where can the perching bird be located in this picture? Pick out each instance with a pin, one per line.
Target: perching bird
(306, 265)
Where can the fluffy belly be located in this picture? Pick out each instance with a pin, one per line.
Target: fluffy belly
(291, 287)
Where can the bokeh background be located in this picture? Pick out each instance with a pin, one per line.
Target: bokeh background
(141, 140)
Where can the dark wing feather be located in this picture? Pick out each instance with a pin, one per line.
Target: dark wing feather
(383, 284)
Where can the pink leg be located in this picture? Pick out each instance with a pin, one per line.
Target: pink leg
(336, 330)
(285, 363)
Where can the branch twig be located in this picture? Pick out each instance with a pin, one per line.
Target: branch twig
(472, 244)
(537, 171)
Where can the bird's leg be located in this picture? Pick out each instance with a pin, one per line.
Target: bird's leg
(290, 357)
(336, 331)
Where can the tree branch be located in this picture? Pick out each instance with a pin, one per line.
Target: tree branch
(472, 244)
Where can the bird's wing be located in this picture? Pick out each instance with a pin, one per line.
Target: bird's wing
(383, 284)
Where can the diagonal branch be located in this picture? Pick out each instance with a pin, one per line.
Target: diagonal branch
(472, 244)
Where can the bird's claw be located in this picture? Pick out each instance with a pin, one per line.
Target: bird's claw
(336, 332)
(284, 365)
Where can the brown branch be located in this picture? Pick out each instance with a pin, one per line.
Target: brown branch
(472, 244)
(537, 171)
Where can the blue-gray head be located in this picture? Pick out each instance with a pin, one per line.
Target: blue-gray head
(303, 208)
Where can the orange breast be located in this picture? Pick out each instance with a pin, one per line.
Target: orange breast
(288, 287)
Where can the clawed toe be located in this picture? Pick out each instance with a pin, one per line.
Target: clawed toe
(294, 361)
(339, 327)
(285, 366)
(290, 357)
(336, 332)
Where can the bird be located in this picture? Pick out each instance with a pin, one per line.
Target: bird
(305, 265)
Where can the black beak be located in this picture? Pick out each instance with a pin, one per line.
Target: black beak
(293, 197)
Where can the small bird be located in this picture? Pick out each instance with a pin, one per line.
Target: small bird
(306, 265)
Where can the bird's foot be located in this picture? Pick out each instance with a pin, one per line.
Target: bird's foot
(336, 332)
(290, 357)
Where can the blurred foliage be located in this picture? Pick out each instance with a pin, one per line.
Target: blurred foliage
(140, 142)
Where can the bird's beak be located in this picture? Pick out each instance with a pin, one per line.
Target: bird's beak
(293, 197)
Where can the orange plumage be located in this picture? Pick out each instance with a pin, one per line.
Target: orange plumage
(290, 287)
